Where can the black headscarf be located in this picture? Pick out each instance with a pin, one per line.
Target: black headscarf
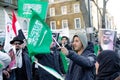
(109, 65)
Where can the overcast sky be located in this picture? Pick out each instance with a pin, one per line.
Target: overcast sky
(114, 8)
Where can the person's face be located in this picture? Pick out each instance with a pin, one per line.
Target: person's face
(77, 44)
(17, 44)
(64, 41)
(106, 39)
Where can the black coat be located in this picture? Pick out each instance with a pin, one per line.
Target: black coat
(25, 72)
(82, 67)
(109, 65)
(51, 60)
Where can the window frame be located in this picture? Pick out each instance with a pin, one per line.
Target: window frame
(76, 22)
(63, 10)
(51, 26)
(76, 9)
(66, 22)
(52, 11)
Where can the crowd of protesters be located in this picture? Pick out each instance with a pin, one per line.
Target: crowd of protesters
(84, 62)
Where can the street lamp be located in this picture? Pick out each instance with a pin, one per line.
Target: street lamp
(89, 18)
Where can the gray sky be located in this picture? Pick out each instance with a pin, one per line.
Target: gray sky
(114, 8)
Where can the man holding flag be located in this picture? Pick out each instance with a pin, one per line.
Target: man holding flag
(39, 42)
(20, 67)
(39, 34)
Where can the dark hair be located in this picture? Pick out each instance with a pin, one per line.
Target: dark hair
(74, 37)
(66, 38)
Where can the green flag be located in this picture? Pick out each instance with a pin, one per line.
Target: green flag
(25, 6)
(51, 71)
(65, 61)
(39, 36)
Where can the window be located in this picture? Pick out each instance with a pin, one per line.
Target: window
(76, 8)
(64, 10)
(53, 25)
(64, 23)
(8, 1)
(52, 11)
(77, 23)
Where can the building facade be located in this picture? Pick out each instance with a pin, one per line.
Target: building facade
(61, 14)
(64, 13)
(9, 6)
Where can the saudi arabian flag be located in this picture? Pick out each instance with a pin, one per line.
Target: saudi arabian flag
(39, 36)
(25, 6)
(51, 71)
(65, 61)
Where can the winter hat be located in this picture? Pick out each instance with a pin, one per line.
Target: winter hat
(16, 39)
(83, 37)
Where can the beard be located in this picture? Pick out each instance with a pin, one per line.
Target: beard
(77, 49)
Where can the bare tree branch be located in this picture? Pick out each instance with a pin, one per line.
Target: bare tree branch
(97, 7)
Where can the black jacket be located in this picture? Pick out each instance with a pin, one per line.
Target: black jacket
(109, 65)
(82, 67)
(51, 60)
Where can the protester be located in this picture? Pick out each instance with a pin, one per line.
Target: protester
(82, 64)
(4, 62)
(52, 60)
(20, 67)
(65, 42)
(108, 65)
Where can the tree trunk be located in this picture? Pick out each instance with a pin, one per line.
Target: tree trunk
(85, 9)
(85, 12)
(104, 12)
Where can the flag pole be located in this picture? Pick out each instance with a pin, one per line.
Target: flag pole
(56, 41)
(50, 70)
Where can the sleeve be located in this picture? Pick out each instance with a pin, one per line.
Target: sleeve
(82, 60)
(4, 59)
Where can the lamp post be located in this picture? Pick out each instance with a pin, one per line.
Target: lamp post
(89, 18)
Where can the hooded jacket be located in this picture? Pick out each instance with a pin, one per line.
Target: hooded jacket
(82, 67)
(4, 61)
(109, 65)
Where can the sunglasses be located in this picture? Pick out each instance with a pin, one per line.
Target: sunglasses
(18, 43)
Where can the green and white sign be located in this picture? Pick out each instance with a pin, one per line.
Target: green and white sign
(25, 8)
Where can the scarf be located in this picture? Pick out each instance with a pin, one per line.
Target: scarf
(109, 65)
(19, 58)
